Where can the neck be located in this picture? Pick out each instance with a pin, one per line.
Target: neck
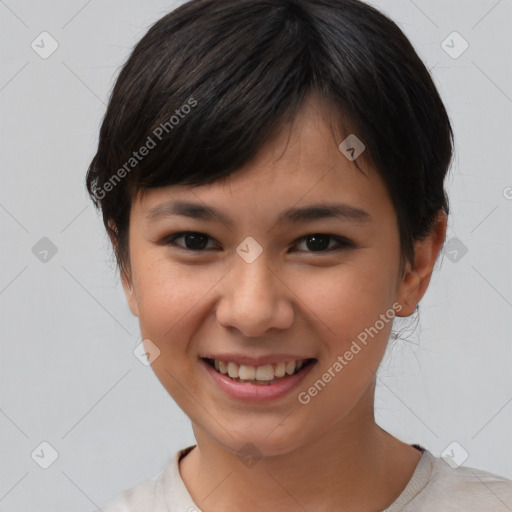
(354, 466)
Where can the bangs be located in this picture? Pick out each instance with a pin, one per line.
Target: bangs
(214, 81)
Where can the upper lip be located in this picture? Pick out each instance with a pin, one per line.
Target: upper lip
(255, 361)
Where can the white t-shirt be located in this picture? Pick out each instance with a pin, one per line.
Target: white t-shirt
(434, 487)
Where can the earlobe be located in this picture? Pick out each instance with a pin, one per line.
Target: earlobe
(408, 293)
(417, 275)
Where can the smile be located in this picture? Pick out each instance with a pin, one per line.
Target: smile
(256, 379)
(260, 375)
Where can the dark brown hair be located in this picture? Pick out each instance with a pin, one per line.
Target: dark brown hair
(214, 80)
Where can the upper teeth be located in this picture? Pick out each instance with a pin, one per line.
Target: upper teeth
(265, 372)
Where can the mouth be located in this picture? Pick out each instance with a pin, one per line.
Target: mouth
(262, 375)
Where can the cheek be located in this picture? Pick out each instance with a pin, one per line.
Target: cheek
(169, 299)
(347, 298)
(162, 297)
(356, 308)
(169, 296)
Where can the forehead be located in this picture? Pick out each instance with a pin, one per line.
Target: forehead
(302, 166)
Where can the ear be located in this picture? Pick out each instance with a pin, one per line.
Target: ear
(129, 292)
(416, 277)
(126, 275)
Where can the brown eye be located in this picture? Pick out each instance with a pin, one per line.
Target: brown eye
(195, 241)
(192, 241)
(320, 242)
(317, 242)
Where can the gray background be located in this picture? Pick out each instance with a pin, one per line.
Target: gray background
(68, 375)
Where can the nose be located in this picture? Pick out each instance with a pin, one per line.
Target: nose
(254, 299)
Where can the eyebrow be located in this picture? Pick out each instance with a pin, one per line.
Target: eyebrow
(292, 216)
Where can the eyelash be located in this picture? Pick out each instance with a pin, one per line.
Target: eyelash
(343, 243)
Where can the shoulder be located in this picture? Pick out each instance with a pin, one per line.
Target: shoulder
(464, 489)
(155, 494)
(139, 497)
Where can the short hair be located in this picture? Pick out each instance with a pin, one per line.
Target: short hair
(214, 80)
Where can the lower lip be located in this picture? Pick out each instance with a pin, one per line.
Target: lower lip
(257, 392)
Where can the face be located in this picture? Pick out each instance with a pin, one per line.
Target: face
(294, 258)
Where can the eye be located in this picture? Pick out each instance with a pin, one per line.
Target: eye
(198, 242)
(320, 242)
(192, 241)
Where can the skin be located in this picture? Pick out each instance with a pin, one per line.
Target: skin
(324, 455)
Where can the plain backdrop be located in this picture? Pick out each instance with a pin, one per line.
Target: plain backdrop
(68, 375)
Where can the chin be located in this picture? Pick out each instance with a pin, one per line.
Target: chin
(261, 441)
